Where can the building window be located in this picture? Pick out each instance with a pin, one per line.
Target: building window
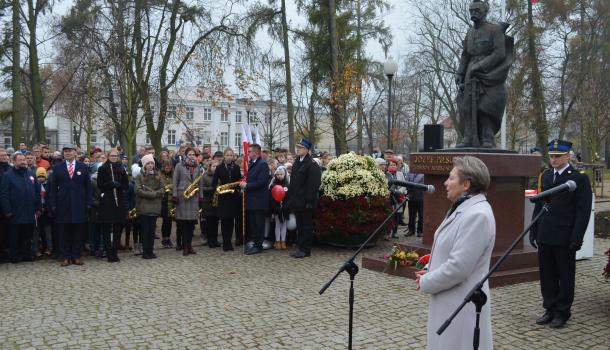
(224, 139)
(190, 113)
(207, 114)
(147, 138)
(253, 117)
(171, 112)
(237, 140)
(238, 117)
(94, 136)
(171, 137)
(8, 141)
(224, 115)
(207, 137)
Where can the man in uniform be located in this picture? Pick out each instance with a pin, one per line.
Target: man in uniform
(559, 234)
(70, 198)
(303, 196)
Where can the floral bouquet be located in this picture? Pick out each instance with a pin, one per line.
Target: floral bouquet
(354, 201)
(401, 257)
(422, 263)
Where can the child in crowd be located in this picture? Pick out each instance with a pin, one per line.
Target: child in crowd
(42, 232)
(132, 223)
(279, 212)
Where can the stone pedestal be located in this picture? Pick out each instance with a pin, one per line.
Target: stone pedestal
(509, 175)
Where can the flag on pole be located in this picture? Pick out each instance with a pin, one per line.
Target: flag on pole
(245, 139)
(258, 138)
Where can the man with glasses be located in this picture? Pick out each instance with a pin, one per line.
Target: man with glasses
(559, 234)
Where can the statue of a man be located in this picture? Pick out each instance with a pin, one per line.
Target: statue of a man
(484, 65)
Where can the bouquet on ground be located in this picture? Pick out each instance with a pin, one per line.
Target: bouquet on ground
(422, 263)
(607, 268)
(401, 257)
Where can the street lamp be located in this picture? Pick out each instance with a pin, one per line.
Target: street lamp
(389, 68)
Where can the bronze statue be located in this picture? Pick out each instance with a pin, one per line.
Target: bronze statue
(484, 64)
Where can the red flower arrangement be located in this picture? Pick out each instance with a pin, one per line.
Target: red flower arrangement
(349, 222)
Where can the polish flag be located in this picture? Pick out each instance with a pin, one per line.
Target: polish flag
(258, 138)
(246, 139)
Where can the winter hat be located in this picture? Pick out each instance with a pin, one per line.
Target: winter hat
(281, 169)
(147, 159)
(41, 172)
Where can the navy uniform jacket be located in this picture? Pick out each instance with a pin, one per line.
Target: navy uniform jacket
(257, 193)
(70, 198)
(569, 213)
(20, 195)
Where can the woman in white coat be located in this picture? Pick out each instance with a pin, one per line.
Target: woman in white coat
(460, 258)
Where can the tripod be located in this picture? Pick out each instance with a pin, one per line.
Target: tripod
(476, 294)
(352, 269)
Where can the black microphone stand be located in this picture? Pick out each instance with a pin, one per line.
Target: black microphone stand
(352, 269)
(476, 294)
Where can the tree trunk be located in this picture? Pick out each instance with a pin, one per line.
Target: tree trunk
(16, 77)
(312, 114)
(35, 81)
(537, 99)
(89, 113)
(289, 104)
(338, 125)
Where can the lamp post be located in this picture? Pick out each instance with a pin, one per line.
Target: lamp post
(389, 68)
(248, 109)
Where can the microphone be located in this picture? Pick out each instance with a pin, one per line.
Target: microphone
(413, 186)
(569, 186)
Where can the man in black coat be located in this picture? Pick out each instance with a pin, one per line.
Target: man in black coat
(304, 194)
(4, 167)
(559, 234)
(257, 197)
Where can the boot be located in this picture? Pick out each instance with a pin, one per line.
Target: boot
(190, 249)
(185, 251)
(282, 245)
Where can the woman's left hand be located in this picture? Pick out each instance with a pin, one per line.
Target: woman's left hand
(418, 275)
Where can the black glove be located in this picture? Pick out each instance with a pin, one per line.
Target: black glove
(116, 184)
(575, 245)
(533, 242)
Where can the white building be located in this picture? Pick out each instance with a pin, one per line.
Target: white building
(204, 122)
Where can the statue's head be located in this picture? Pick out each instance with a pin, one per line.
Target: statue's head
(478, 10)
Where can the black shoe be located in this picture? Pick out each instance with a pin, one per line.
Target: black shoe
(546, 318)
(299, 254)
(558, 322)
(419, 234)
(178, 247)
(409, 233)
(151, 256)
(112, 259)
(253, 250)
(227, 249)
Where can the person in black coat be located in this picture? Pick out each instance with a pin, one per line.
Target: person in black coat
(113, 182)
(304, 194)
(257, 197)
(416, 206)
(559, 233)
(20, 201)
(208, 210)
(4, 167)
(229, 204)
(70, 198)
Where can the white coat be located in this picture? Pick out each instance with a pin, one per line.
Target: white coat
(460, 257)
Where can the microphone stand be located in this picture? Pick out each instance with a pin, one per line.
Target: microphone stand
(352, 269)
(476, 294)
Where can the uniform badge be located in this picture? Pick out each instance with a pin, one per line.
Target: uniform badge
(285, 189)
(78, 173)
(32, 179)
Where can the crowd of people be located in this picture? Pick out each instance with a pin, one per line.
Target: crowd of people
(67, 203)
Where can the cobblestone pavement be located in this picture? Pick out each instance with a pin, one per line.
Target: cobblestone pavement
(216, 300)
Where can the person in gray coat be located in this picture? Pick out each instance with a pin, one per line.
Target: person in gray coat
(187, 210)
(460, 257)
(150, 189)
